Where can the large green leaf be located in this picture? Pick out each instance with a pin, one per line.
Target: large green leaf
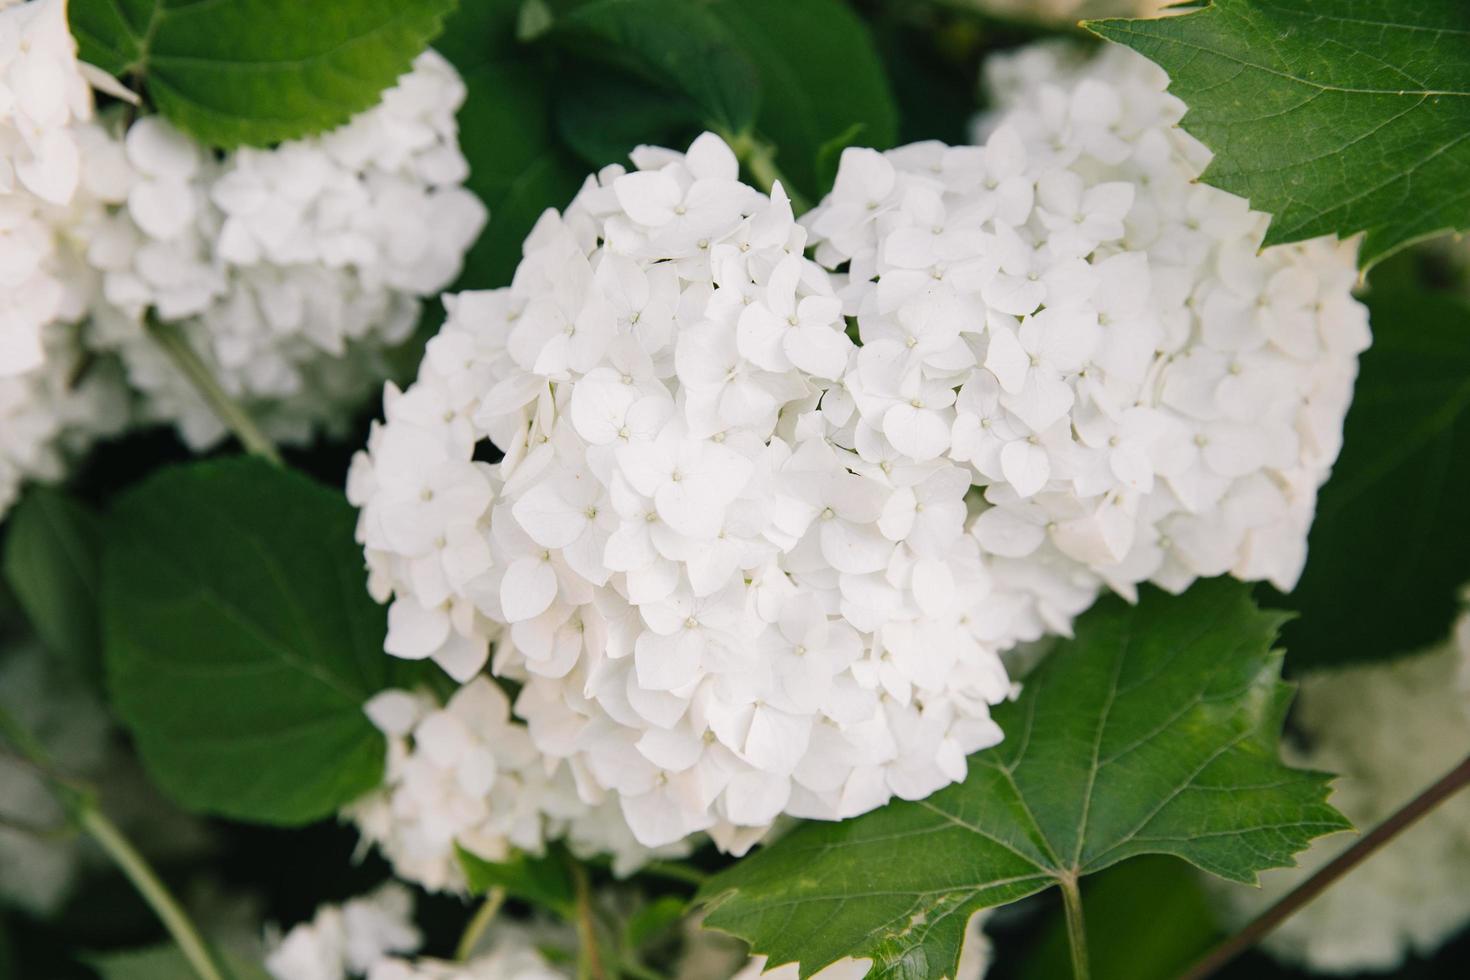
(1334, 117)
(517, 165)
(680, 46)
(257, 71)
(53, 557)
(241, 643)
(1390, 547)
(1154, 731)
(823, 85)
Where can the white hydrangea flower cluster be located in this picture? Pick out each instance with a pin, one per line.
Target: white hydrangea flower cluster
(43, 93)
(52, 404)
(369, 937)
(718, 614)
(348, 939)
(1142, 393)
(288, 270)
(51, 414)
(1388, 731)
(466, 774)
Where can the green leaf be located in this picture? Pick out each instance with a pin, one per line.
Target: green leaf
(257, 72)
(823, 85)
(165, 962)
(1390, 546)
(241, 643)
(674, 44)
(653, 920)
(517, 166)
(1333, 117)
(1147, 919)
(53, 559)
(1155, 731)
(543, 881)
(603, 116)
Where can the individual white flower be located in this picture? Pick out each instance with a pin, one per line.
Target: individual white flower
(347, 940)
(1388, 731)
(289, 271)
(1141, 393)
(715, 611)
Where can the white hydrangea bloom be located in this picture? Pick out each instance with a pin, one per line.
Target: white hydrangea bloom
(348, 939)
(371, 936)
(466, 774)
(717, 613)
(1389, 731)
(288, 270)
(51, 414)
(1142, 394)
(43, 96)
(42, 92)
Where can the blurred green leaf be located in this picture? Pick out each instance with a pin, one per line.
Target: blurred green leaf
(241, 642)
(603, 116)
(518, 167)
(1334, 118)
(1155, 731)
(822, 83)
(165, 962)
(53, 559)
(256, 72)
(652, 920)
(543, 881)
(1390, 547)
(677, 45)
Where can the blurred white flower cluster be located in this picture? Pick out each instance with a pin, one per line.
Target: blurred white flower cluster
(1389, 731)
(728, 554)
(53, 400)
(466, 774)
(718, 613)
(1142, 393)
(369, 937)
(286, 271)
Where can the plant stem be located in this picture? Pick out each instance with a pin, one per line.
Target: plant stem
(81, 805)
(1076, 928)
(1449, 784)
(154, 892)
(477, 925)
(225, 408)
(759, 157)
(589, 963)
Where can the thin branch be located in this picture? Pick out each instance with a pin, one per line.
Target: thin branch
(154, 892)
(1448, 785)
(226, 409)
(80, 803)
(486, 913)
(1076, 928)
(589, 962)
